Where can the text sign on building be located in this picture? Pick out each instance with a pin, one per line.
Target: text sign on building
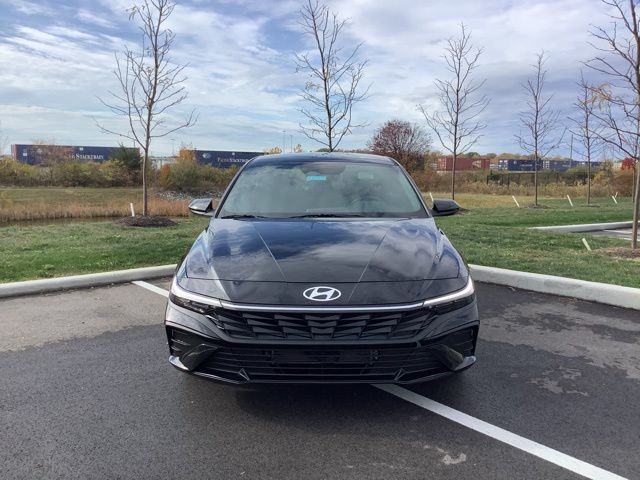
(223, 159)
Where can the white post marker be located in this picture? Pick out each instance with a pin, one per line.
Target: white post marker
(616, 195)
(614, 199)
(133, 213)
(586, 244)
(570, 202)
(431, 198)
(514, 199)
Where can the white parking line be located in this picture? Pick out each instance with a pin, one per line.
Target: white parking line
(152, 287)
(534, 448)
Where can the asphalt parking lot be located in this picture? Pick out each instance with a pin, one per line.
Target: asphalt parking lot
(86, 392)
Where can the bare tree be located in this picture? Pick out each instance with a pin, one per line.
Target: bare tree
(457, 126)
(406, 142)
(586, 127)
(539, 121)
(333, 77)
(150, 84)
(272, 151)
(4, 141)
(619, 59)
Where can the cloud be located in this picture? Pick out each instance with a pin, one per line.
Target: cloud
(241, 70)
(405, 52)
(91, 18)
(30, 8)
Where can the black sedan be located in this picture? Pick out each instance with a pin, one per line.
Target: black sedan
(322, 268)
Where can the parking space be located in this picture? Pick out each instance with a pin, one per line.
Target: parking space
(86, 392)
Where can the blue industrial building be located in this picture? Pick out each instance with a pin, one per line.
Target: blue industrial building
(222, 158)
(526, 165)
(519, 165)
(33, 154)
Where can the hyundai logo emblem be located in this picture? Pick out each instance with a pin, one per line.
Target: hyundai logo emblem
(322, 294)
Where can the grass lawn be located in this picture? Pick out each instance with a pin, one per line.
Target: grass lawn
(45, 251)
(499, 237)
(494, 233)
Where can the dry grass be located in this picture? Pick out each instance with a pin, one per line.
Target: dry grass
(474, 200)
(50, 204)
(41, 204)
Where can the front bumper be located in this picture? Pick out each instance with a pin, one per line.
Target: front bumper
(446, 345)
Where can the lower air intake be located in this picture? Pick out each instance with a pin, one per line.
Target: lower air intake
(401, 364)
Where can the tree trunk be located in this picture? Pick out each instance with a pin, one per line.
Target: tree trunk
(636, 182)
(636, 208)
(633, 185)
(453, 176)
(535, 180)
(636, 197)
(145, 161)
(589, 180)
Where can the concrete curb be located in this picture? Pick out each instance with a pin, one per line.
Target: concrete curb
(585, 227)
(608, 294)
(83, 281)
(605, 293)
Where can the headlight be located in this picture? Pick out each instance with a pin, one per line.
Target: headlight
(204, 305)
(192, 301)
(452, 301)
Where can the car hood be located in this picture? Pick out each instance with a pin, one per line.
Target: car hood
(323, 251)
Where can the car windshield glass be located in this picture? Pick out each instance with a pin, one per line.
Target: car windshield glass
(322, 189)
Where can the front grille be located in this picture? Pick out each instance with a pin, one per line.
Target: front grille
(322, 326)
(400, 364)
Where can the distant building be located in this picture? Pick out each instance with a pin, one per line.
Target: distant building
(159, 162)
(559, 165)
(528, 165)
(445, 164)
(223, 158)
(34, 154)
(520, 164)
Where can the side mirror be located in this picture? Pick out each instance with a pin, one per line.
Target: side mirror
(201, 206)
(443, 207)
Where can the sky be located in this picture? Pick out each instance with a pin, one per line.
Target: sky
(57, 59)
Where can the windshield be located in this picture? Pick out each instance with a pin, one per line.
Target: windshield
(317, 189)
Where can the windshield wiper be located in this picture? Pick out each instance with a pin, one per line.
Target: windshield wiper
(333, 215)
(237, 216)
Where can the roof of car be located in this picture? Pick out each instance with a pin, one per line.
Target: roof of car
(323, 156)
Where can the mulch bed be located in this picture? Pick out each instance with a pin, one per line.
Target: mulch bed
(146, 221)
(533, 205)
(621, 252)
